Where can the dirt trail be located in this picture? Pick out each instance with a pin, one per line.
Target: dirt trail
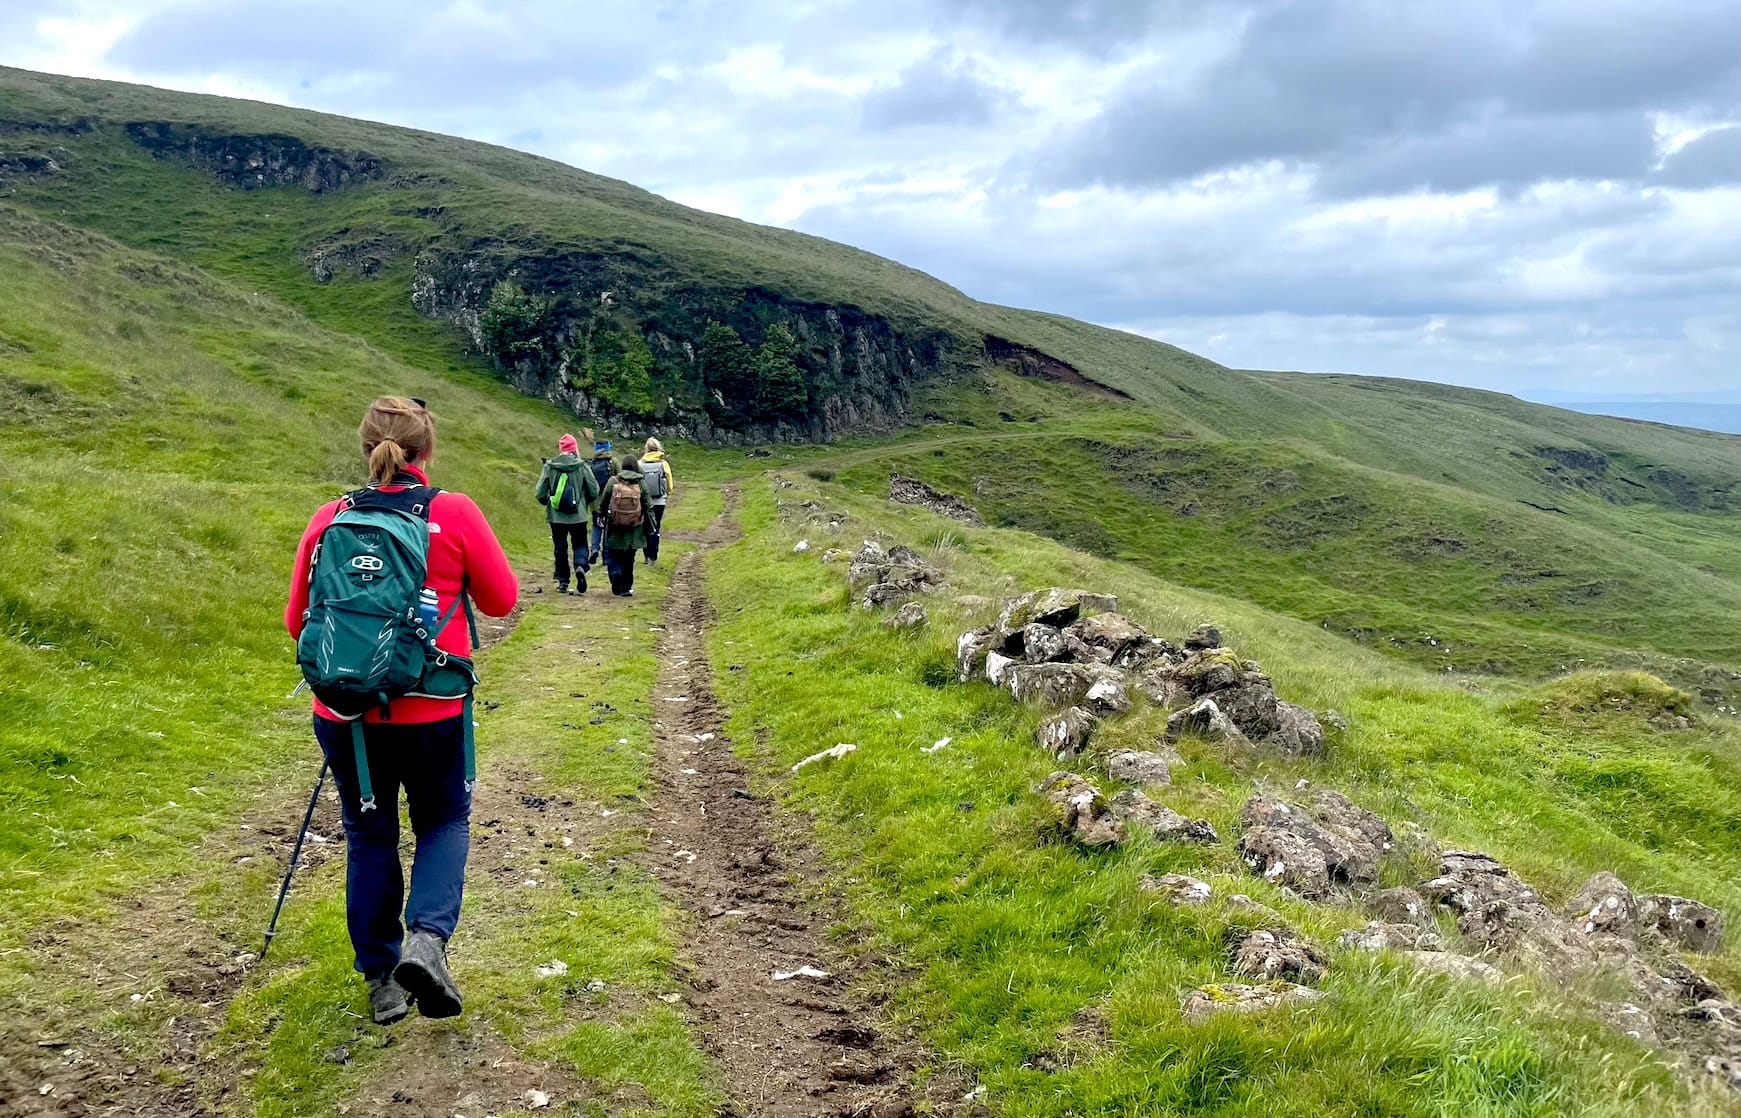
(798, 1048)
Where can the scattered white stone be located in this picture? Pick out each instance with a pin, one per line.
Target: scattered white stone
(686, 855)
(805, 971)
(801, 547)
(595, 986)
(940, 743)
(704, 737)
(529, 882)
(974, 1095)
(536, 1099)
(691, 772)
(566, 841)
(606, 813)
(622, 741)
(318, 839)
(553, 969)
(833, 754)
(670, 999)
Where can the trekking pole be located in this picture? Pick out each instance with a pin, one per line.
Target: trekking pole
(295, 856)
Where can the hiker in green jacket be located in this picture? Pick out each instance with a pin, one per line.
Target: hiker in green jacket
(568, 491)
(627, 511)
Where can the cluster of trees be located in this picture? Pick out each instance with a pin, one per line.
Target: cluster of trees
(765, 381)
(615, 363)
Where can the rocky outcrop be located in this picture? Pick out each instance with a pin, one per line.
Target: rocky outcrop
(910, 616)
(1052, 685)
(860, 369)
(1141, 815)
(906, 490)
(1204, 719)
(1608, 927)
(1379, 935)
(249, 162)
(1139, 767)
(1177, 888)
(890, 576)
(1079, 812)
(1689, 924)
(1330, 846)
(1401, 905)
(1234, 997)
(358, 252)
(1268, 954)
(1066, 735)
(1055, 606)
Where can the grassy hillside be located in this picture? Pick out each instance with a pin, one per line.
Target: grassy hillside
(1046, 968)
(1464, 529)
(1449, 578)
(168, 416)
(162, 440)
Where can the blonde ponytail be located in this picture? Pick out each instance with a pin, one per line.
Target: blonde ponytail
(396, 431)
(385, 462)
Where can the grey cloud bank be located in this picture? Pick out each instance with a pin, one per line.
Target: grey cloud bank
(1530, 196)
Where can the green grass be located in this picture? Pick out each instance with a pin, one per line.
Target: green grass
(1396, 511)
(999, 940)
(177, 393)
(1447, 578)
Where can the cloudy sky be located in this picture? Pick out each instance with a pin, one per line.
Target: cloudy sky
(1538, 197)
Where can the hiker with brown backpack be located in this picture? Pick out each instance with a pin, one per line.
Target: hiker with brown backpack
(627, 512)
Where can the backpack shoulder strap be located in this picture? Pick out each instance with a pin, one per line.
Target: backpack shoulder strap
(413, 500)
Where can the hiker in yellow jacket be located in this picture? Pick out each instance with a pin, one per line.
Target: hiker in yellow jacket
(656, 479)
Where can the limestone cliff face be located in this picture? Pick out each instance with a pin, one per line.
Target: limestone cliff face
(251, 162)
(861, 368)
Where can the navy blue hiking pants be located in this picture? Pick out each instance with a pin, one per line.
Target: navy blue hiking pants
(428, 760)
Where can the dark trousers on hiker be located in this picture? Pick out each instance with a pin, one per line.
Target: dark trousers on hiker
(566, 538)
(620, 564)
(428, 760)
(598, 534)
(652, 549)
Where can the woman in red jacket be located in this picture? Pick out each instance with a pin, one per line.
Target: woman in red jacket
(419, 744)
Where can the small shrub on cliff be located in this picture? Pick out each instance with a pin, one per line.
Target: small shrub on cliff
(780, 386)
(515, 325)
(728, 368)
(619, 370)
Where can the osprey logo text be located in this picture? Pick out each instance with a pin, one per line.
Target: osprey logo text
(367, 563)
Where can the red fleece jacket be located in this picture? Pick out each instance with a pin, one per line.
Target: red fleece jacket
(462, 549)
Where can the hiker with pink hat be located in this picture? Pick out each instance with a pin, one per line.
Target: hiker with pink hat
(568, 490)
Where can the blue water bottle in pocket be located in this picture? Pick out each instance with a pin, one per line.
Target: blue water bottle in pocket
(428, 608)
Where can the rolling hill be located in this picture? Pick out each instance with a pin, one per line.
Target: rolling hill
(1464, 529)
(185, 341)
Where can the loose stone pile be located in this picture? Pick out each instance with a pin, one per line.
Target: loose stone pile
(885, 577)
(1070, 652)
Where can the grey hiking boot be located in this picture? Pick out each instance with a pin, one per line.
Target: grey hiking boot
(387, 1000)
(423, 972)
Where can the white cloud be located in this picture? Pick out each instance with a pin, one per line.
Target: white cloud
(1526, 195)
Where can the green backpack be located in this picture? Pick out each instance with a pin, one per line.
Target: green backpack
(364, 642)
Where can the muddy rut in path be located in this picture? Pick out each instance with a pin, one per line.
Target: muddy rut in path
(797, 1047)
